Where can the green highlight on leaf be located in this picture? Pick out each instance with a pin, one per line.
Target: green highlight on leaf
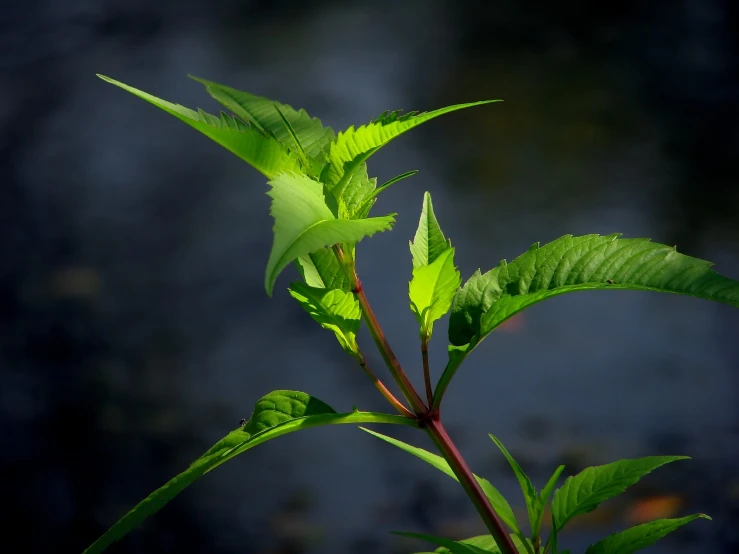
(571, 264)
(260, 150)
(369, 201)
(266, 114)
(429, 241)
(276, 414)
(502, 508)
(321, 269)
(641, 536)
(583, 492)
(479, 544)
(353, 147)
(432, 289)
(304, 224)
(335, 310)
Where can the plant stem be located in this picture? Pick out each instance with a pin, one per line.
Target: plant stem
(426, 371)
(389, 396)
(444, 443)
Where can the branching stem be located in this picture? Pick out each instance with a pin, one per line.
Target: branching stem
(389, 396)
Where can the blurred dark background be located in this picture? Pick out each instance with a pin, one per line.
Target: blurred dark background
(135, 330)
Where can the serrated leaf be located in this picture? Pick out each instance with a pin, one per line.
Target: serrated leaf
(278, 413)
(359, 187)
(571, 264)
(305, 224)
(259, 150)
(354, 146)
(429, 241)
(335, 310)
(583, 492)
(640, 536)
(531, 499)
(500, 504)
(312, 136)
(432, 289)
(322, 269)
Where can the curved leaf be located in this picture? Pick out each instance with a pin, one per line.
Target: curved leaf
(570, 264)
(487, 543)
(335, 310)
(533, 506)
(583, 492)
(432, 289)
(354, 146)
(500, 504)
(264, 113)
(640, 536)
(259, 150)
(369, 201)
(449, 545)
(276, 414)
(305, 224)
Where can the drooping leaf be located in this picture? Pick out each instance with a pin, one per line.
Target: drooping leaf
(304, 224)
(258, 149)
(322, 269)
(354, 146)
(335, 310)
(533, 506)
(641, 536)
(276, 414)
(432, 289)
(312, 136)
(429, 241)
(583, 492)
(500, 504)
(570, 264)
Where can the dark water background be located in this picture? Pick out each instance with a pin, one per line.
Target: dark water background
(134, 327)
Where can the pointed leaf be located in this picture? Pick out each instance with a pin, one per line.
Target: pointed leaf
(432, 289)
(354, 146)
(265, 114)
(499, 503)
(261, 151)
(583, 492)
(276, 414)
(451, 546)
(543, 498)
(641, 536)
(570, 264)
(304, 224)
(322, 269)
(487, 543)
(429, 242)
(529, 492)
(335, 310)
(359, 187)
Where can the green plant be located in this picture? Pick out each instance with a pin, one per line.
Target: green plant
(321, 199)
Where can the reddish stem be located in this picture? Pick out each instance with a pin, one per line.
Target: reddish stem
(426, 370)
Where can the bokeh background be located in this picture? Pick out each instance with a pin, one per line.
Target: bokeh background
(135, 330)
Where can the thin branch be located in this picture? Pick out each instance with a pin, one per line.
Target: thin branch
(426, 371)
(389, 396)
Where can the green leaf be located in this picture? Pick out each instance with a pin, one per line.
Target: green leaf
(583, 492)
(499, 503)
(570, 264)
(304, 224)
(335, 310)
(263, 113)
(544, 495)
(354, 146)
(429, 242)
(322, 269)
(451, 546)
(529, 492)
(359, 187)
(432, 289)
(641, 536)
(277, 414)
(487, 543)
(258, 149)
